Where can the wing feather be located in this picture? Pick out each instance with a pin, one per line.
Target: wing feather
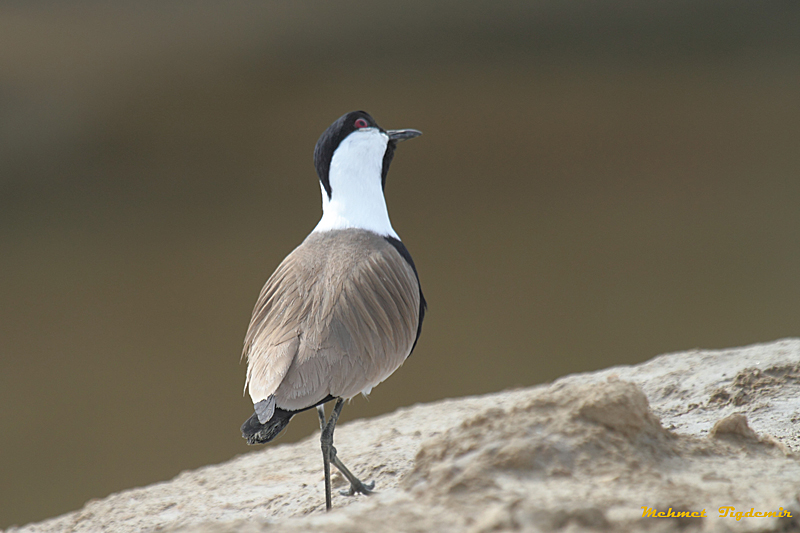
(337, 317)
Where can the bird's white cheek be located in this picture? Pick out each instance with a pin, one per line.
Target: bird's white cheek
(356, 190)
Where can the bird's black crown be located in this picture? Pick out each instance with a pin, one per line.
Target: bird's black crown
(332, 137)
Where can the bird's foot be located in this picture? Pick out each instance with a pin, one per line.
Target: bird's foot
(360, 487)
(356, 485)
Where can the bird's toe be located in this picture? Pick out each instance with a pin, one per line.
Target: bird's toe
(356, 488)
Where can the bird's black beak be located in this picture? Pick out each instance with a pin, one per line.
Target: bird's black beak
(402, 135)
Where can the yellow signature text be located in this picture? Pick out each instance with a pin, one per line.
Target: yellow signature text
(724, 512)
(649, 512)
(731, 512)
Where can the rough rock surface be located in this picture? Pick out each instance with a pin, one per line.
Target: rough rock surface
(690, 431)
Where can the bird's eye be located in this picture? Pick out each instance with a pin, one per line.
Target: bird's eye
(361, 123)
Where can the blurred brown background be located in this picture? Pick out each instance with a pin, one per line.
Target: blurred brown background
(598, 183)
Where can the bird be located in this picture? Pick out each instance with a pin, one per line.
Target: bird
(343, 310)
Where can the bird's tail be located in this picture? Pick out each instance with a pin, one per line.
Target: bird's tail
(257, 433)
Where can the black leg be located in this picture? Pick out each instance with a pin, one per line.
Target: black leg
(321, 414)
(355, 484)
(326, 455)
(329, 455)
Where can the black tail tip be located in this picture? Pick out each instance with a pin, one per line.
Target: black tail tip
(257, 433)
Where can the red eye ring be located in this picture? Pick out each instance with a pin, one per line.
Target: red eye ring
(361, 123)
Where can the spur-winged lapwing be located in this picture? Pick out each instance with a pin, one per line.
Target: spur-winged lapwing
(344, 310)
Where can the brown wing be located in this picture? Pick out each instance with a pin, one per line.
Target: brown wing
(337, 317)
(271, 342)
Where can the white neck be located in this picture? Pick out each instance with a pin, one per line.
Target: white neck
(356, 192)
